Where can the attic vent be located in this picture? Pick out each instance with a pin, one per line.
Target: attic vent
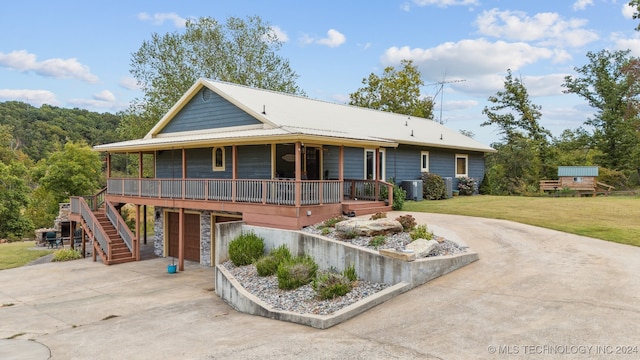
(206, 94)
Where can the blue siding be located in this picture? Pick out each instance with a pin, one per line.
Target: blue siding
(169, 164)
(331, 162)
(403, 163)
(200, 164)
(254, 162)
(353, 163)
(214, 113)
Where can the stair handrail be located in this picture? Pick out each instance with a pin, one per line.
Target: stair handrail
(121, 226)
(97, 200)
(90, 221)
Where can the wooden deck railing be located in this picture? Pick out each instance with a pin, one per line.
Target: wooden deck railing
(372, 190)
(279, 192)
(123, 230)
(91, 224)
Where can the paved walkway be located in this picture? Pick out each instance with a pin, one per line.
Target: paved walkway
(534, 293)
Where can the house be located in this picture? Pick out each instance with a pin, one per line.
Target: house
(582, 179)
(227, 152)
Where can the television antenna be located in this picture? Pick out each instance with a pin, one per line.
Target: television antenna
(440, 92)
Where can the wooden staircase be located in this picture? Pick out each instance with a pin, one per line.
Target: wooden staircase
(120, 253)
(364, 207)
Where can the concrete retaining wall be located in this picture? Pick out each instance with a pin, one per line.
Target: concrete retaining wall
(328, 253)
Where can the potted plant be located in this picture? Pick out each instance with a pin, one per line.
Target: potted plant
(172, 268)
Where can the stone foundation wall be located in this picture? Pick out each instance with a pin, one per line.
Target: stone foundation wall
(158, 230)
(205, 235)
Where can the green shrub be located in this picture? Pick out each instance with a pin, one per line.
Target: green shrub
(350, 273)
(467, 186)
(379, 215)
(433, 187)
(246, 248)
(325, 231)
(421, 232)
(618, 179)
(295, 272)
(333, 221)
(268, 265)
(350, 233)
(377, 240)
(330, 285)
(66, 255)
(398, 197)
(408, 222)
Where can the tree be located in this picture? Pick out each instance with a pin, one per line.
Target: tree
(522, 159)
(397, 91)
(516, 98)
(239, 51)
(75, 170)
(636, 14)
(609, 83)
(14, 197)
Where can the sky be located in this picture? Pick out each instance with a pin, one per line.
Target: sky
(76, 54)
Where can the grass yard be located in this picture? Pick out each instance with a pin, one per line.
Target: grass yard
(609, 218)
(18, 254)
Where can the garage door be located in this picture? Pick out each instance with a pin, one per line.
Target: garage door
(191, 235)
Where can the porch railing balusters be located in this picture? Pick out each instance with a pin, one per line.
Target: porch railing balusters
(279, 192)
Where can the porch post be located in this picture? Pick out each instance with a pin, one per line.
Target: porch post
(140, 172)
(377, 176)
(108, 165)
(181, 240)
(234, 171)
(140, 164)
(184, 171)
(341, 171)
(298, 172)
(136, 241)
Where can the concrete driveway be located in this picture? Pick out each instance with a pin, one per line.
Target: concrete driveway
(534, 293)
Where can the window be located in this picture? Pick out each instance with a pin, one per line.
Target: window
(382, 173)
(218, 158)
(462, 165)
(424, 161)
(577, 179)
(369, 164)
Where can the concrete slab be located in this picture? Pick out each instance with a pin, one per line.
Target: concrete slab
(542, 293)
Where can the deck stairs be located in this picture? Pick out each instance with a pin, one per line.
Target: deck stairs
(120, 253)
(364, 207)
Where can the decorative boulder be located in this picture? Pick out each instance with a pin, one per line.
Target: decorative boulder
(422, 247)
(370, 227)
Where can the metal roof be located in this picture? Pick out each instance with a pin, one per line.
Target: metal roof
(291, 116)
(577, 171)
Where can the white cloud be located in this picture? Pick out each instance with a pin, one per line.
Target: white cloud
(582, 4)
(632, 44)
(104, 95)
(280, 34)
(129, 83)
(628, 11)
(334, 39)
(160, 18)
(23, 61)
(33, 97)
(445, 3)
(457, 104)
(545, 28)
(468, 58)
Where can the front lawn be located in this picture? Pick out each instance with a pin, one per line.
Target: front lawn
(18, 254)
(609, 218)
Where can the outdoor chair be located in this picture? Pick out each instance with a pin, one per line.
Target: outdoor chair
(53, 239)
